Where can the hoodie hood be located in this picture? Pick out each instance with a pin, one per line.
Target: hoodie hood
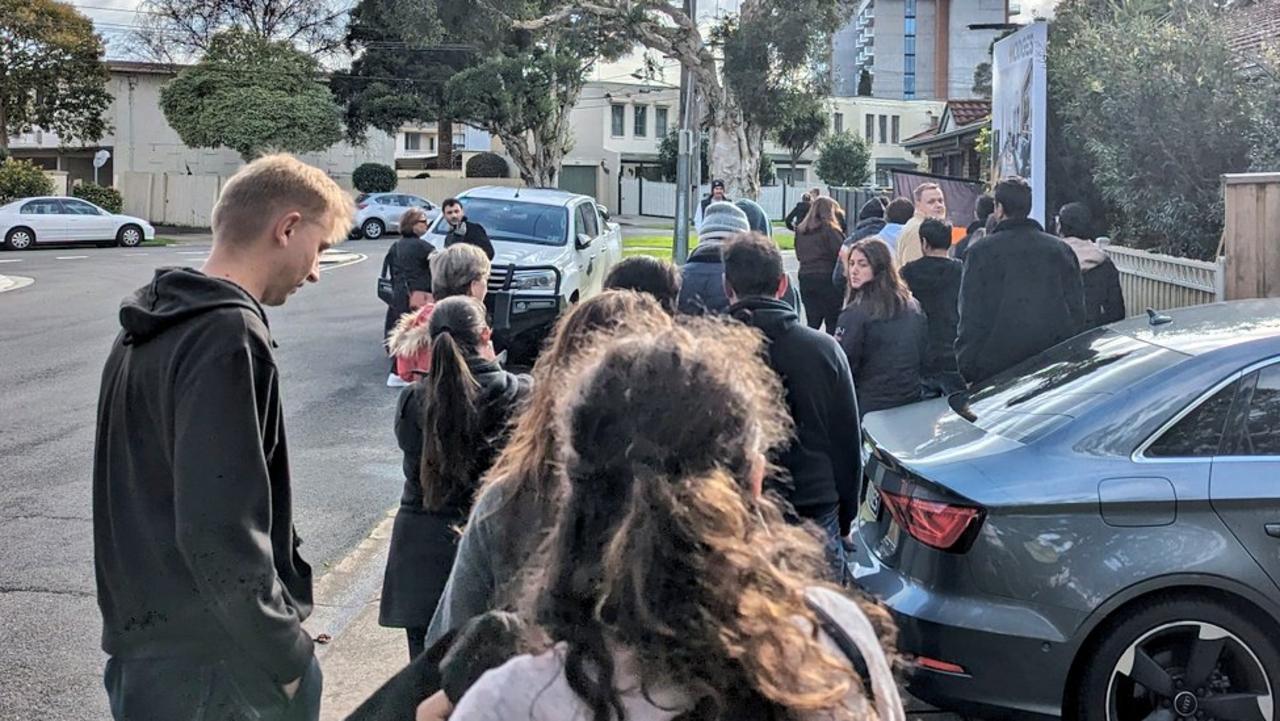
(770, 315)
(932, 271)
(1087, 252)
(176, 295)
(708, 251)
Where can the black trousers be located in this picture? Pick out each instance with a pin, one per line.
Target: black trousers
(417, 641)
(188, 689)
(822, 302)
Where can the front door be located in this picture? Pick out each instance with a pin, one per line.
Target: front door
(86, 222)
(593, 262)
(1245, 485)
(46, 219)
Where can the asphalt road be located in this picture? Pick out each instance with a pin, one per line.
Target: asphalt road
(54, 337)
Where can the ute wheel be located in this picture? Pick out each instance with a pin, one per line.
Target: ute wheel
(130, 236)
(1186, 658)
(19, 238)
(373, 229)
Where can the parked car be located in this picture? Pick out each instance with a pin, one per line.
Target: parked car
(379, 213)
(1095, 533)
(552, 248)
(29, 221)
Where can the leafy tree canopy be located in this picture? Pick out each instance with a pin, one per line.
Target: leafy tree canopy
(844, 160)
(178, 30)
(22, 179)
(254, 96)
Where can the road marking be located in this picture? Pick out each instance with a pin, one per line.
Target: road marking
(192, 252)
(14, 282)
(71, 257)
(11, 260)
(135, 255)
(360, 258)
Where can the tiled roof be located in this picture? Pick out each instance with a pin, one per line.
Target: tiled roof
(967, 112)
(1253, 29)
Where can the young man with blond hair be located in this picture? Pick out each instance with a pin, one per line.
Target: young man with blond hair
(930, 203)
(200, 584)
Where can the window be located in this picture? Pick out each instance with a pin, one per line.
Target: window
(909, 45)
(909, 27)
(659, 122)
(641, 127)
(459, 141)
(871, 127)
(619, 121)
(432, 146)
(1199, 433)
(78, 207)
(909, 87)
(897, 128)
(884, 128)
(910, 8)
(837, 121)
(42, 207)
(1257, 433)
(413, 141)
(514, 221)
(587, 220)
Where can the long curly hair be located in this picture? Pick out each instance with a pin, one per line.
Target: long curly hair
(526, 472)
(662, 548)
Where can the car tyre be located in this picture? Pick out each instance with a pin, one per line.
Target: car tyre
(20, 238)
(373, 229)
(1174, 659)
(130, 236)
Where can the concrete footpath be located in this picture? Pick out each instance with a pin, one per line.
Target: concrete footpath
(358, 655)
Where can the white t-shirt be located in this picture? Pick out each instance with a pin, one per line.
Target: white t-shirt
(534, 688)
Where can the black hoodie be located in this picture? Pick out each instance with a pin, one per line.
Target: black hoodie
(823, 460)
(194, 545)
(935, 282)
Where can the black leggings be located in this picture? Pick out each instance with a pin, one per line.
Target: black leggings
(821, 301)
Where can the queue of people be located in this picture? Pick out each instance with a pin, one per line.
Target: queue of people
(653, 520)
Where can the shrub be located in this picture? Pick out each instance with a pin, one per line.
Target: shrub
(106, 198)
(374, 178)
(22, 179)
(767, 173)
(843, 160)
(487, 165)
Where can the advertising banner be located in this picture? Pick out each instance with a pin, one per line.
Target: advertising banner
(1020, 112)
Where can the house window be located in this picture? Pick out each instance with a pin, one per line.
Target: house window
(659, 122)
(619, 120)
(431, 142)
(641, 129)
(459, 141)
(871, 127)
(897, 128)
(908, 53)
(909, 87)
(838, 122)
(884, 129)
(413, 141)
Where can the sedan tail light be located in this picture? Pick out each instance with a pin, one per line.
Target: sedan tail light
(937, 524)
(361, 206)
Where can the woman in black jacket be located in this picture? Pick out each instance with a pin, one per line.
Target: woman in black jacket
(450, 426)
(818, 241)
(408, 262)
(882, 330)
(1103, 297)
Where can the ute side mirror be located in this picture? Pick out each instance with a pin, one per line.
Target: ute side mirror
(583, 241)
(604, 211)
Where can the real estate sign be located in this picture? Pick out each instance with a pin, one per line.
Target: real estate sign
(1019, 111)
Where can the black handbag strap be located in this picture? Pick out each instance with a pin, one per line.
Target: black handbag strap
(386, 264)
(846, 645)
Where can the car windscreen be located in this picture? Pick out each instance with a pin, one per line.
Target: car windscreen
(514, 221)
(1039, 395)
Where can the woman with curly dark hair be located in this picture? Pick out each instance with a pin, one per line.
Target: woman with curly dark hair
(672, 588)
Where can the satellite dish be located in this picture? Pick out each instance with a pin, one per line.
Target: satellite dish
(101, 157)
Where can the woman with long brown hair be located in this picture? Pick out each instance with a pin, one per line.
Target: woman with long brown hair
(881, 329)
(672, 588)
(450, 424)
(517, 503)
(818, 241)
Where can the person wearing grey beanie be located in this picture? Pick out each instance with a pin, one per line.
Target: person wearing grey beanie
(702, 290)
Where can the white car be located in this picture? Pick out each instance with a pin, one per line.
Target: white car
(552, 248)
(379, 213)
(26, 222)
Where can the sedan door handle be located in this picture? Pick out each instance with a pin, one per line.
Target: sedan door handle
(1272, 529)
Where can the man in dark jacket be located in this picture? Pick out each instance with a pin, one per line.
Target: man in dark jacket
(717, 195)
(982, 210)
(798, 213)
(823, 460)
(1021, 292)
(462, 230)
(935, 281)
(199, 581)
(702, 277)
(1103, 297)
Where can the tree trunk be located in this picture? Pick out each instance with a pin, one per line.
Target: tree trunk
(735, 154)
(4, 130)
(444, 144)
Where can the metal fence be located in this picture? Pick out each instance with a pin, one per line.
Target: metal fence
(646, 197)
(1152, 280)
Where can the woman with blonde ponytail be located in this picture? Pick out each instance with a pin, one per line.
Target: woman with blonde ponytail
(450, 425)
(671, 587)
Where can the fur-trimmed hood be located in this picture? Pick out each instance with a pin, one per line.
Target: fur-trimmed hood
(411, 333)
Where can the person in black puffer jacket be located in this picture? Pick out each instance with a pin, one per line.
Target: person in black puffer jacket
(702, 287)
(882, 330)
(871, 221)
(462, 229)
(935, 281)
(450, 426)
(1103, 297)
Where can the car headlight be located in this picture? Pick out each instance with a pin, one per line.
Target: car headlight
(533, 280)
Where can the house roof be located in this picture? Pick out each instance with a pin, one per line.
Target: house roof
(957, 117)
(1253, 29)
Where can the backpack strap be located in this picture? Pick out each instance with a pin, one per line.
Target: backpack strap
(846, 645)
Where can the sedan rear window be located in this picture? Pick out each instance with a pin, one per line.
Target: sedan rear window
(514, 221)
(1040, 394)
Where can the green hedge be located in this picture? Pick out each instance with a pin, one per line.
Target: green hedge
(106, 198)
(374, 178)
(22, 179)
(487, 165)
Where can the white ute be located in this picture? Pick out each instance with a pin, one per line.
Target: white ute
(552, 248)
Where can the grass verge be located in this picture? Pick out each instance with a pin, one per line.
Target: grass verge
(659, 245)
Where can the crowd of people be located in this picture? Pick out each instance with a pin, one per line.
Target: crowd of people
(654, 519)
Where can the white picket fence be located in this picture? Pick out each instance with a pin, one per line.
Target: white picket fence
(646, 197)
(1152, 280)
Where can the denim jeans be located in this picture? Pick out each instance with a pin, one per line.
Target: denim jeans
(828, 519)
(189, 689)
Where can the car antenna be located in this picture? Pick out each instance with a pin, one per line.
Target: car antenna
(517, 191)
(1155, 318)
